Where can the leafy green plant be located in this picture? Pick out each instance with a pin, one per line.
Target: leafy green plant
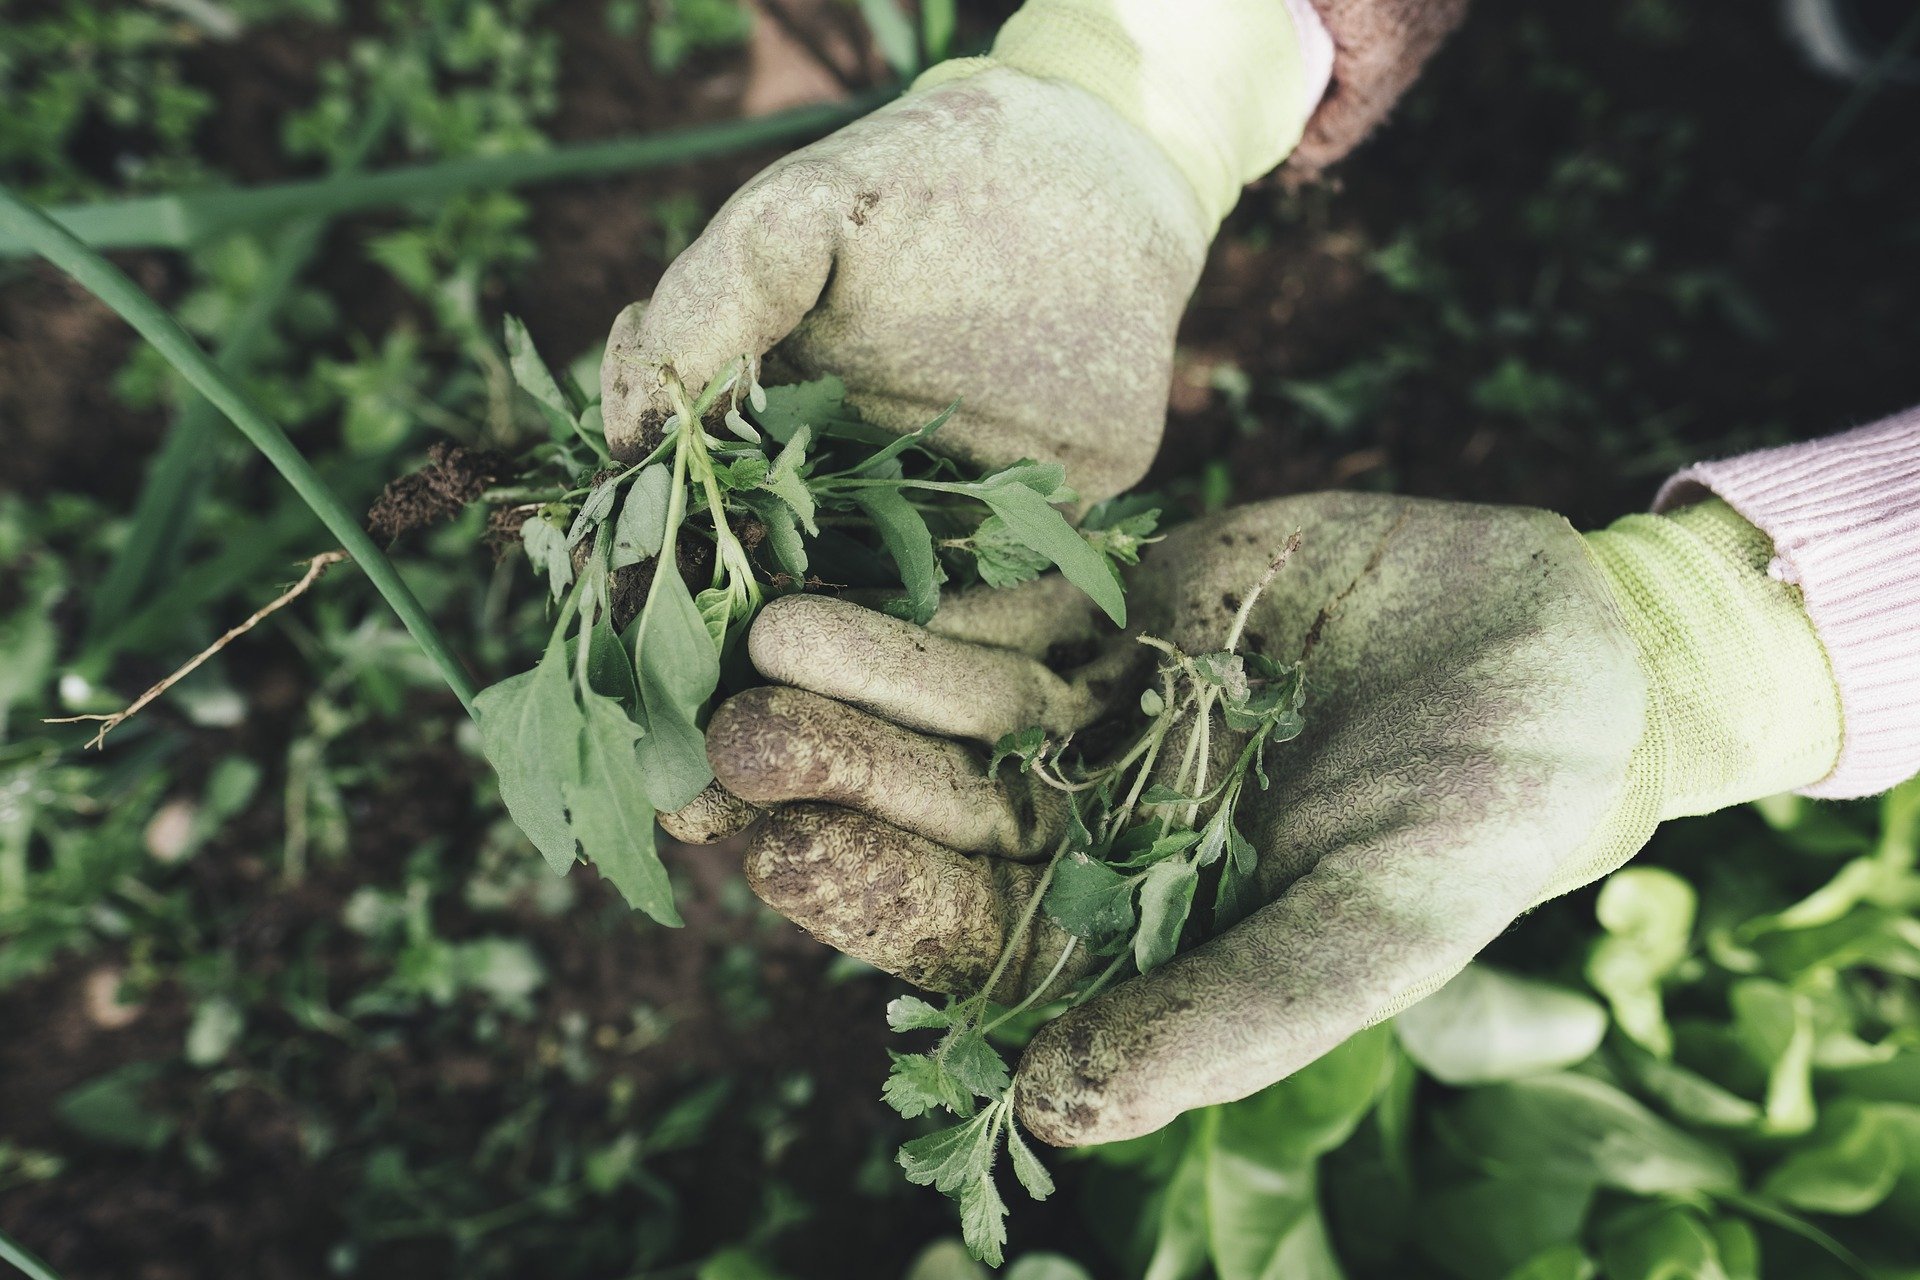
(1121, 882)
(605, 730)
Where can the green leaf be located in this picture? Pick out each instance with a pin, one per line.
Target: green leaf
(1662, 1243)
(642, 526)
(1775, 1024)
(983, 1220)
(799, 404)
(530, 731)
(1488, 1226)
(904, 534)
(878, 461)
(976, 1064)
(1486, 1025)
(1047, 479)
(1089, 899)
(679, 668)
(920, 1082)
(547, 547)
(1851, 1170)
(1026, 1166)
(611, 816)
(783, 536)
(1555, 1262)
(911, 1013)
(1022, 745)
(1166, 895)
(1002, 559)
(950, 1157)
(894, 35)
(531, 374)
(1648, 916)
(783, 480)
(1573, 1128)
(1047, 532)
(610, 666)
(109, 1109)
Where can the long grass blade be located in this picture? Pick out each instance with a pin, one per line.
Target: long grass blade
(178, 220)
(111, 286)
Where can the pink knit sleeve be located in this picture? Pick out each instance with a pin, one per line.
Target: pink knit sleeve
(1844, 516)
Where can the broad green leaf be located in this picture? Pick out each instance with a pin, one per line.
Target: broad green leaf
(530, 372)
(611, 815)
(1851, 1170)
(642, 526)
(1486, 1025)
(1089, 899)
(610, 666)
(1575, 1129)
(530, 731)
(799, 404)
(1316, 1108)
(1254, 1209)
(1556, 1262)
(715, 606)
(1489, 1226)
(1033, 522)
(904, 534)
(1688, 1094)
(110, 1109)
(1180, 1249)
(547, 548)
(1662, 1243)
(1775, 1024)
(679, 668)
(1166, 895)
(1648, 915)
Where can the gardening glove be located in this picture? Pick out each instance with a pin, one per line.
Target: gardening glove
(1019, 232)
(1499, 710)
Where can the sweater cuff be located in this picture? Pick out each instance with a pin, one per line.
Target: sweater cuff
(1844, 516)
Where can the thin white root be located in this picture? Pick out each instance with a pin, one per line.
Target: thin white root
(315, 567)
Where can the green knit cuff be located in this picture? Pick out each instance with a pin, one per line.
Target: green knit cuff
(1742, 699)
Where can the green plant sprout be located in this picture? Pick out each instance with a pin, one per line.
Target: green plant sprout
(1121, 882)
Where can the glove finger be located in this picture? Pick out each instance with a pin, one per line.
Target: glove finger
(1030, 618)
(776, 744)
(709, 817)
(755, 271)
(925, 681)
(902, 902)
(1349, 943)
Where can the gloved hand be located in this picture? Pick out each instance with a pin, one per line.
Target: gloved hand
(1019, 232)
(1498, 711)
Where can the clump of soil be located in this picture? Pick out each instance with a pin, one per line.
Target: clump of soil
(453, 477)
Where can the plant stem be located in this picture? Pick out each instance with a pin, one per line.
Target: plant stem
(30, 1266)
(111, 286)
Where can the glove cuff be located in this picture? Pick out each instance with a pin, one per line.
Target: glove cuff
(1223, 87)
(1742, 701)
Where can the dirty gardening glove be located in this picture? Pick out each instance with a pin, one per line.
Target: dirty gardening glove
(1499, 710)
(1019, 232)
